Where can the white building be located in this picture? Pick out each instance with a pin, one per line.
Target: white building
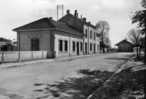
(68, 36)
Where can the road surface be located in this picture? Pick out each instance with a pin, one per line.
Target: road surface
(18, 82)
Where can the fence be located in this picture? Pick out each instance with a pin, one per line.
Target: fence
(135, 49)
(15, 56)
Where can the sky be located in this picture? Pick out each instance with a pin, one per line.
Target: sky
(117, 13)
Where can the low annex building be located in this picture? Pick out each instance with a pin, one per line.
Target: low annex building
(125, 46)
(65, 37)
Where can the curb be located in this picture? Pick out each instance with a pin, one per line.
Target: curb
(19, 64)
(11, 65)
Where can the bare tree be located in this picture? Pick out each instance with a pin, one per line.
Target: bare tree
(134, 36)
(140, 19)
(103, 29)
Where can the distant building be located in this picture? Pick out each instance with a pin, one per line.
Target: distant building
(65, 37)
(6, 45)
(125, 46)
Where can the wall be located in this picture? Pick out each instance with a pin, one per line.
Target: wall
(89, 40)
(70, 39)
(125, 47)
(15, 56)
(24, 38)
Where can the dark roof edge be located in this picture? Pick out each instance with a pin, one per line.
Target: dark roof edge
(123, 41)
(16, 29)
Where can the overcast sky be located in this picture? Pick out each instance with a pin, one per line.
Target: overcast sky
(118, 13)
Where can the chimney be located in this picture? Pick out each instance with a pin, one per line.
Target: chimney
(68, 11)
(89, 22)
(81, 17)
(50, 18)
(84, 20)
(76, 13)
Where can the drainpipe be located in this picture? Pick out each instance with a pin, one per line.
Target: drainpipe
(88, 40)
(52, 46)
(18, 46)
(83, 49)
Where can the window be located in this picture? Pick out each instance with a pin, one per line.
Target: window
(81, 46)
(73, 46)
(94, 48)
(66, 45)
(91, 34)
(90, 46)
(94, 35)
(35, 44)
(86, 32)
(60, 45)
(86, 48)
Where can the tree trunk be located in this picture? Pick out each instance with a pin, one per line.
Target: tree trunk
(145, 63)
(144, 86)
(103, 50)
(137, 52)
(145, 50)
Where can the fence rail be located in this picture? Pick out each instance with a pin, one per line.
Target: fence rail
(15, 56)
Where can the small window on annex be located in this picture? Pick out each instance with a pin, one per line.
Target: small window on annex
(65, 45)
(60, 45)
(90, 46)
(73, 46)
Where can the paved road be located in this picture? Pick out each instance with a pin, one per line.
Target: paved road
(20, 80)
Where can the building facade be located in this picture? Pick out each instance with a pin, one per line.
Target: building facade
(90, 38)
(60, 38)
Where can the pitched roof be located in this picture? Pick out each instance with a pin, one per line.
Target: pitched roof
(4, 40)
(46, 23)
(73, 22)
(124, 41)
(41, 23)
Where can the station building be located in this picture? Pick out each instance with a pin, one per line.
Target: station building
(68, 36)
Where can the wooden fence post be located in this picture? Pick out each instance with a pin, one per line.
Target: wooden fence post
(31, 55)
(2, 58)
(19, 56)
(42, 55)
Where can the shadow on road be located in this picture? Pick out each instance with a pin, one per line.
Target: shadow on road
(91, 81)
(126, 57)
(115, 58)
(75, 88)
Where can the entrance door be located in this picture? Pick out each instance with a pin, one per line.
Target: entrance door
(78, 48)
